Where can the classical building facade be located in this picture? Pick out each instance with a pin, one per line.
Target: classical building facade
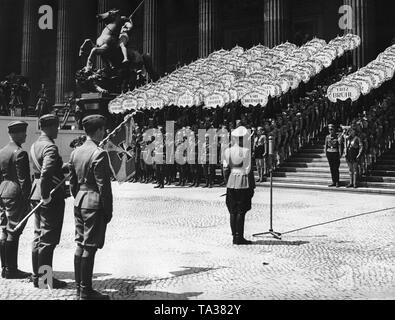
(176, 32)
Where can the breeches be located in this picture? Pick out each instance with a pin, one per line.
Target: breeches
(48, 223)
(90, 227)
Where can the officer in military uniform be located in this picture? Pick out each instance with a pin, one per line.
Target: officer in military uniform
(240, 185)
(14, 194)
(333, 151)
(90, 184)
(48, 170)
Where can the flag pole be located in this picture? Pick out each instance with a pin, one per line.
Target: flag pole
(109, 136)
(116, 130)
(135, 10)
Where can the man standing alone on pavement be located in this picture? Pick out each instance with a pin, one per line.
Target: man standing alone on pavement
(241, 183)
(90, 184)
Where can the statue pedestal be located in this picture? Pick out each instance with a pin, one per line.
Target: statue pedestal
(95, 103)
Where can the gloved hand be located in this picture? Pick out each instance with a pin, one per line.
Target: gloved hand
(47, 201)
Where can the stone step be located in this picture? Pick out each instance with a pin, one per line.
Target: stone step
(309, 155)
(383, 173)
(311, 164)
(312, 160)
(302, 175)
(325, 188)
(385, 162)
(384, 167)
(325, 181)
(311, 170)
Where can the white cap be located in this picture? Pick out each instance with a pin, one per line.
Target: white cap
(239, 132)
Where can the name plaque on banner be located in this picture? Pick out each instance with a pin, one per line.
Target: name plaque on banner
(214, 100)
(254, 98)
(186, 100)
(129, 104)
(343, 92)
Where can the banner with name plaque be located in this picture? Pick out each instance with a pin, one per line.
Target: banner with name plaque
(254, 98)
(343, 92)
(214, 100)
(185, 100)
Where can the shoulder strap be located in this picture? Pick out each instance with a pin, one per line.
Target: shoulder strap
(34, 158)
(89, 163)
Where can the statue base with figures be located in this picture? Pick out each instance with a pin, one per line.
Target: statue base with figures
(93, 103)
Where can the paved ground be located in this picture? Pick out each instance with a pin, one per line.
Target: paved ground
(174, 243)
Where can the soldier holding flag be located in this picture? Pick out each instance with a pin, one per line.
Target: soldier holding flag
(48, 171)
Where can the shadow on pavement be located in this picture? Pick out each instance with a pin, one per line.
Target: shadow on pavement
(279, 243)
(123, 289)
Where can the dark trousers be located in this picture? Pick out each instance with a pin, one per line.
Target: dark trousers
(334, 164)
(160, 173)
(48, 223)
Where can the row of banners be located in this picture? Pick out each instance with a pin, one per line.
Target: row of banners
(250, 76)
(365, 79)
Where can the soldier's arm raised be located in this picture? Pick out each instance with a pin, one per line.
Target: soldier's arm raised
(102, 173)
(23, 173)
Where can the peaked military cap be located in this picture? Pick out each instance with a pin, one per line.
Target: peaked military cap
(17, 126)
(48, 120)
(94, 119)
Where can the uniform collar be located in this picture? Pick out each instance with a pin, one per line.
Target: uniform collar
(13, 143)
(44, 136)
(90, 141)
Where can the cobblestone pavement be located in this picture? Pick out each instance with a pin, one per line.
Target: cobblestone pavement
(175, 243)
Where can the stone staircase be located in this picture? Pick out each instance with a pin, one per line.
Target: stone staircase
(309, 169)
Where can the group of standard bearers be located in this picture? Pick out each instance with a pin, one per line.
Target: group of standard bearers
(90, 185)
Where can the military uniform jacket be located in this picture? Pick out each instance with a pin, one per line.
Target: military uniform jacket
(90, 180)
(238, 162)
(47, 169)
(15, 172)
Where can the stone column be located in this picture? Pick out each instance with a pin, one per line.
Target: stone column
(208, 27)
(363, 25)
(65, 51)
(153, 36)
(277, 22)
(29, 60)
(3, 36)
(102, 6)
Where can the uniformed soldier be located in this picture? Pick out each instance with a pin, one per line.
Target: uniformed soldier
(241, 184)
(48, 171)
(14, 194)
(160, 159)
(90, 184)
(333, 151)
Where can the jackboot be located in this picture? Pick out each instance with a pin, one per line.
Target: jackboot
(351, 184)
(11, 255)
(77, 275)
(233, 227)
(2, 256)
(355, 180)
(35, 275)
(240, 240)
(87, 292)
(45, 258)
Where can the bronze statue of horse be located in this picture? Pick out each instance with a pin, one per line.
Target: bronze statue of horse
(107, 46)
